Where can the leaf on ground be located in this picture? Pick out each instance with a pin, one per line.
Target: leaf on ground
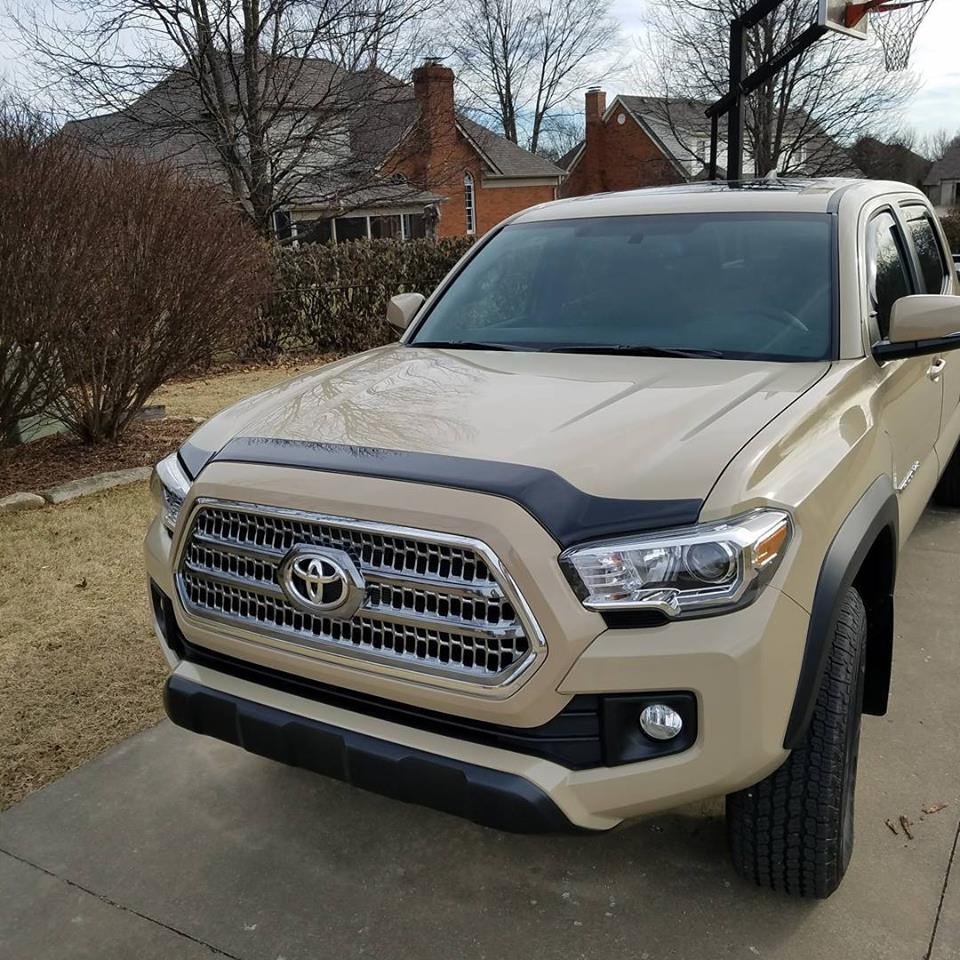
(934, 808)
(906, 824)
(81, 584)
(891, 827)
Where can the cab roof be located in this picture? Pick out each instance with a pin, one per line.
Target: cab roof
(746, 196)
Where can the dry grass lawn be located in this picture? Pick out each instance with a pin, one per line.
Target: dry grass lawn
(79, 665)
(205, 396)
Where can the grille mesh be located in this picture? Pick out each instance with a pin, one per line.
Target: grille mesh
(427, 605)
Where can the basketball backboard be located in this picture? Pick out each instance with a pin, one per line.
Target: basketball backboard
(833, 16)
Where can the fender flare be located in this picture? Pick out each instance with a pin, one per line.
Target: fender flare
(876, 511)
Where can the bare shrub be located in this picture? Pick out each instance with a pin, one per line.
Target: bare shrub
(34, 182)
(163, 273)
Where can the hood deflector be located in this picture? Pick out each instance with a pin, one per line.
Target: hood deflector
(568, 514)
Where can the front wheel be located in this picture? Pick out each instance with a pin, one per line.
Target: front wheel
(793, 831)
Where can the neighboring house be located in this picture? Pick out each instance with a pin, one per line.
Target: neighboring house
(652, 141)
(890, 161)
(942, 184)
(398, 160)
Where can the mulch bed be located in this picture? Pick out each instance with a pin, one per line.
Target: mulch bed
(57, 459)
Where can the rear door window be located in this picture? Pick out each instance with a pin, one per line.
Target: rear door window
(930, 255)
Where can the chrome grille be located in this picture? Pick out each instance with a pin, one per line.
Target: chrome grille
(434, 603)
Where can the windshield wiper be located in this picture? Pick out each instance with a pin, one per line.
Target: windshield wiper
(634, 350)
(467, 345)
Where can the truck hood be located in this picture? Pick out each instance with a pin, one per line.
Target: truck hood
(613, 426)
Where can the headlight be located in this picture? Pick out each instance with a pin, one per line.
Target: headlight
(707, 567)
(168, 486)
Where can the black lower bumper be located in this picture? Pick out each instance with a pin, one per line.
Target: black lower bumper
(489, 797)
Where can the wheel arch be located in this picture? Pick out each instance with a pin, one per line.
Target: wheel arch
(862, 554)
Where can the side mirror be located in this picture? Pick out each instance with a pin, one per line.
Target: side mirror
(921, 324)
(403, 307)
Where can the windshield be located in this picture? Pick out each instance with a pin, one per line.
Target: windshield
(730, 285)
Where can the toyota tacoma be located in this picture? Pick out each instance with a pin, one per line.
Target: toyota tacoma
(613, 527)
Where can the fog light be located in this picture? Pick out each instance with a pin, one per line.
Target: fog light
(660, 722)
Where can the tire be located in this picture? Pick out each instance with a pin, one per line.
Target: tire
(947, 493)
(793, 831)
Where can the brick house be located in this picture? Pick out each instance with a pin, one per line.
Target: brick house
(400, 161)
(621, 150)
(653, 141)
(482, 177)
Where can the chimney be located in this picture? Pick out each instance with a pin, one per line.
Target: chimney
(595, 103)
(433, 88)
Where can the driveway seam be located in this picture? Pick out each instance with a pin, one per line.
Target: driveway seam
(120, 906)
(943, 894)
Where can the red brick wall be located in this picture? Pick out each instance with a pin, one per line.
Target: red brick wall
(436, 156)
(618, 157)
(445, 177)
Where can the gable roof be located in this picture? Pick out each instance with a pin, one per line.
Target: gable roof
(168, 124)
(569, 159)
(946, 168)
(661, 119)
(505, 158)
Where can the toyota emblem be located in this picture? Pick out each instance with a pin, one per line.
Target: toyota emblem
(321, 581)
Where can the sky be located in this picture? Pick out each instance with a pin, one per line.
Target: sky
(935, 62)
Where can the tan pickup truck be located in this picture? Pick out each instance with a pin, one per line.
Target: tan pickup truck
(613, 527)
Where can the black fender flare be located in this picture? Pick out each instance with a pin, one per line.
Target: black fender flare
(876, 511)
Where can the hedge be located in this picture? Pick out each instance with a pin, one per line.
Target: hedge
(951, 227)
(333, 298)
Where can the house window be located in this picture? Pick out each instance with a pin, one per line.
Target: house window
(414, 226)
(281, 224)
(469, 203)
(387, 226)
(351, 228)
(311, 231)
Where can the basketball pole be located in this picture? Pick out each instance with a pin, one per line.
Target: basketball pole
(740, 87)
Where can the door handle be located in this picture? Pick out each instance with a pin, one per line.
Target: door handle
(936, 368)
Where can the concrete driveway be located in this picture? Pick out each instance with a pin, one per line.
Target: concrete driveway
(174, 846)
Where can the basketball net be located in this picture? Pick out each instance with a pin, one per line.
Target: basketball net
(895, 25)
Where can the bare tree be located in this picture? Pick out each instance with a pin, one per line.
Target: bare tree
(266, 92)
(891, 156)
(560, 133)
(935, 145)
(796, 123)
(519, 60)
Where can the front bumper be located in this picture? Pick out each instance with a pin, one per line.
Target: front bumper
(490, 797)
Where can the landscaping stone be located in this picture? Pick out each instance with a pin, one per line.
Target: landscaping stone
(21, 501)
(88, 485)
(152, 411)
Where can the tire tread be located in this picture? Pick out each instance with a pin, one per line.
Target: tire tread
(785, 831)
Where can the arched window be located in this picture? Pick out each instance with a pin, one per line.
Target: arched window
(469, 203)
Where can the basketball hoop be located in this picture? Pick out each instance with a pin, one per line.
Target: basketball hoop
(895, 27)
